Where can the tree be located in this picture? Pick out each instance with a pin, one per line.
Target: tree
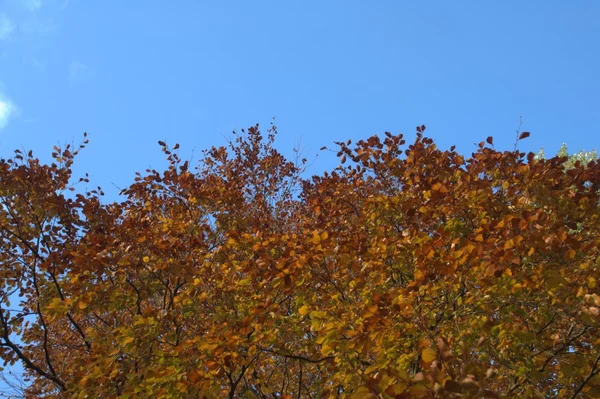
(402, 273)
(581, 156)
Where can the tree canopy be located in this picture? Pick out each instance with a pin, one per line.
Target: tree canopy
(407, 272)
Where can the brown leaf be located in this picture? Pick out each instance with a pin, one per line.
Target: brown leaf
(524, 135)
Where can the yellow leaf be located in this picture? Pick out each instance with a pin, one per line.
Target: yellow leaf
(326, 350)
(316, 239)
(371, 368)
(417, 390)
(303, 310)
(372, 309)
(244, 282)
(55, 303)
(430, 254)
(517, 286)
(317, 315)
(146, 259)
(429, 355)
(363, 393)
(419, 275)
(396, 389)
(469, 248)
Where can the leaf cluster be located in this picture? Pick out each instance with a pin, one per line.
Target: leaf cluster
(406, 272)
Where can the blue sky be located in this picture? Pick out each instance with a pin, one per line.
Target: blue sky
(134, 72)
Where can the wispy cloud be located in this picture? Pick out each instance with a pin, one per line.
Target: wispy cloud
(7, 110)
(32, 5)
(35, 62)
(6, 26)
(78, 71)
(37, 24)
(25, 16)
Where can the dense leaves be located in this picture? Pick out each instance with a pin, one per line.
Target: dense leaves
(406, 272)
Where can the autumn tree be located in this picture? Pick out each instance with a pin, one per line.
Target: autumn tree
(581, 156)
(406, 272)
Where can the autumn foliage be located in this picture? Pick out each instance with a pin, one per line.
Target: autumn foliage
(407, 272)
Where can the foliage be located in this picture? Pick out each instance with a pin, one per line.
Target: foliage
(406, 273)
(581, 156)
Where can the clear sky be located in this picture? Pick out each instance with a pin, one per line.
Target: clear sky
(134, 72)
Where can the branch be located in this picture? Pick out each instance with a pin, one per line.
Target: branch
(541, 330)
(299, 380)
(235, 383)
(563, 347)
(298, 357)
(69, 316)
(42, 321)
(590, 375)
(39, 258)
(28, 363)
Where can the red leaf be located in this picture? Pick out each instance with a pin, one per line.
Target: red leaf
(524, 135)
(490, 140)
